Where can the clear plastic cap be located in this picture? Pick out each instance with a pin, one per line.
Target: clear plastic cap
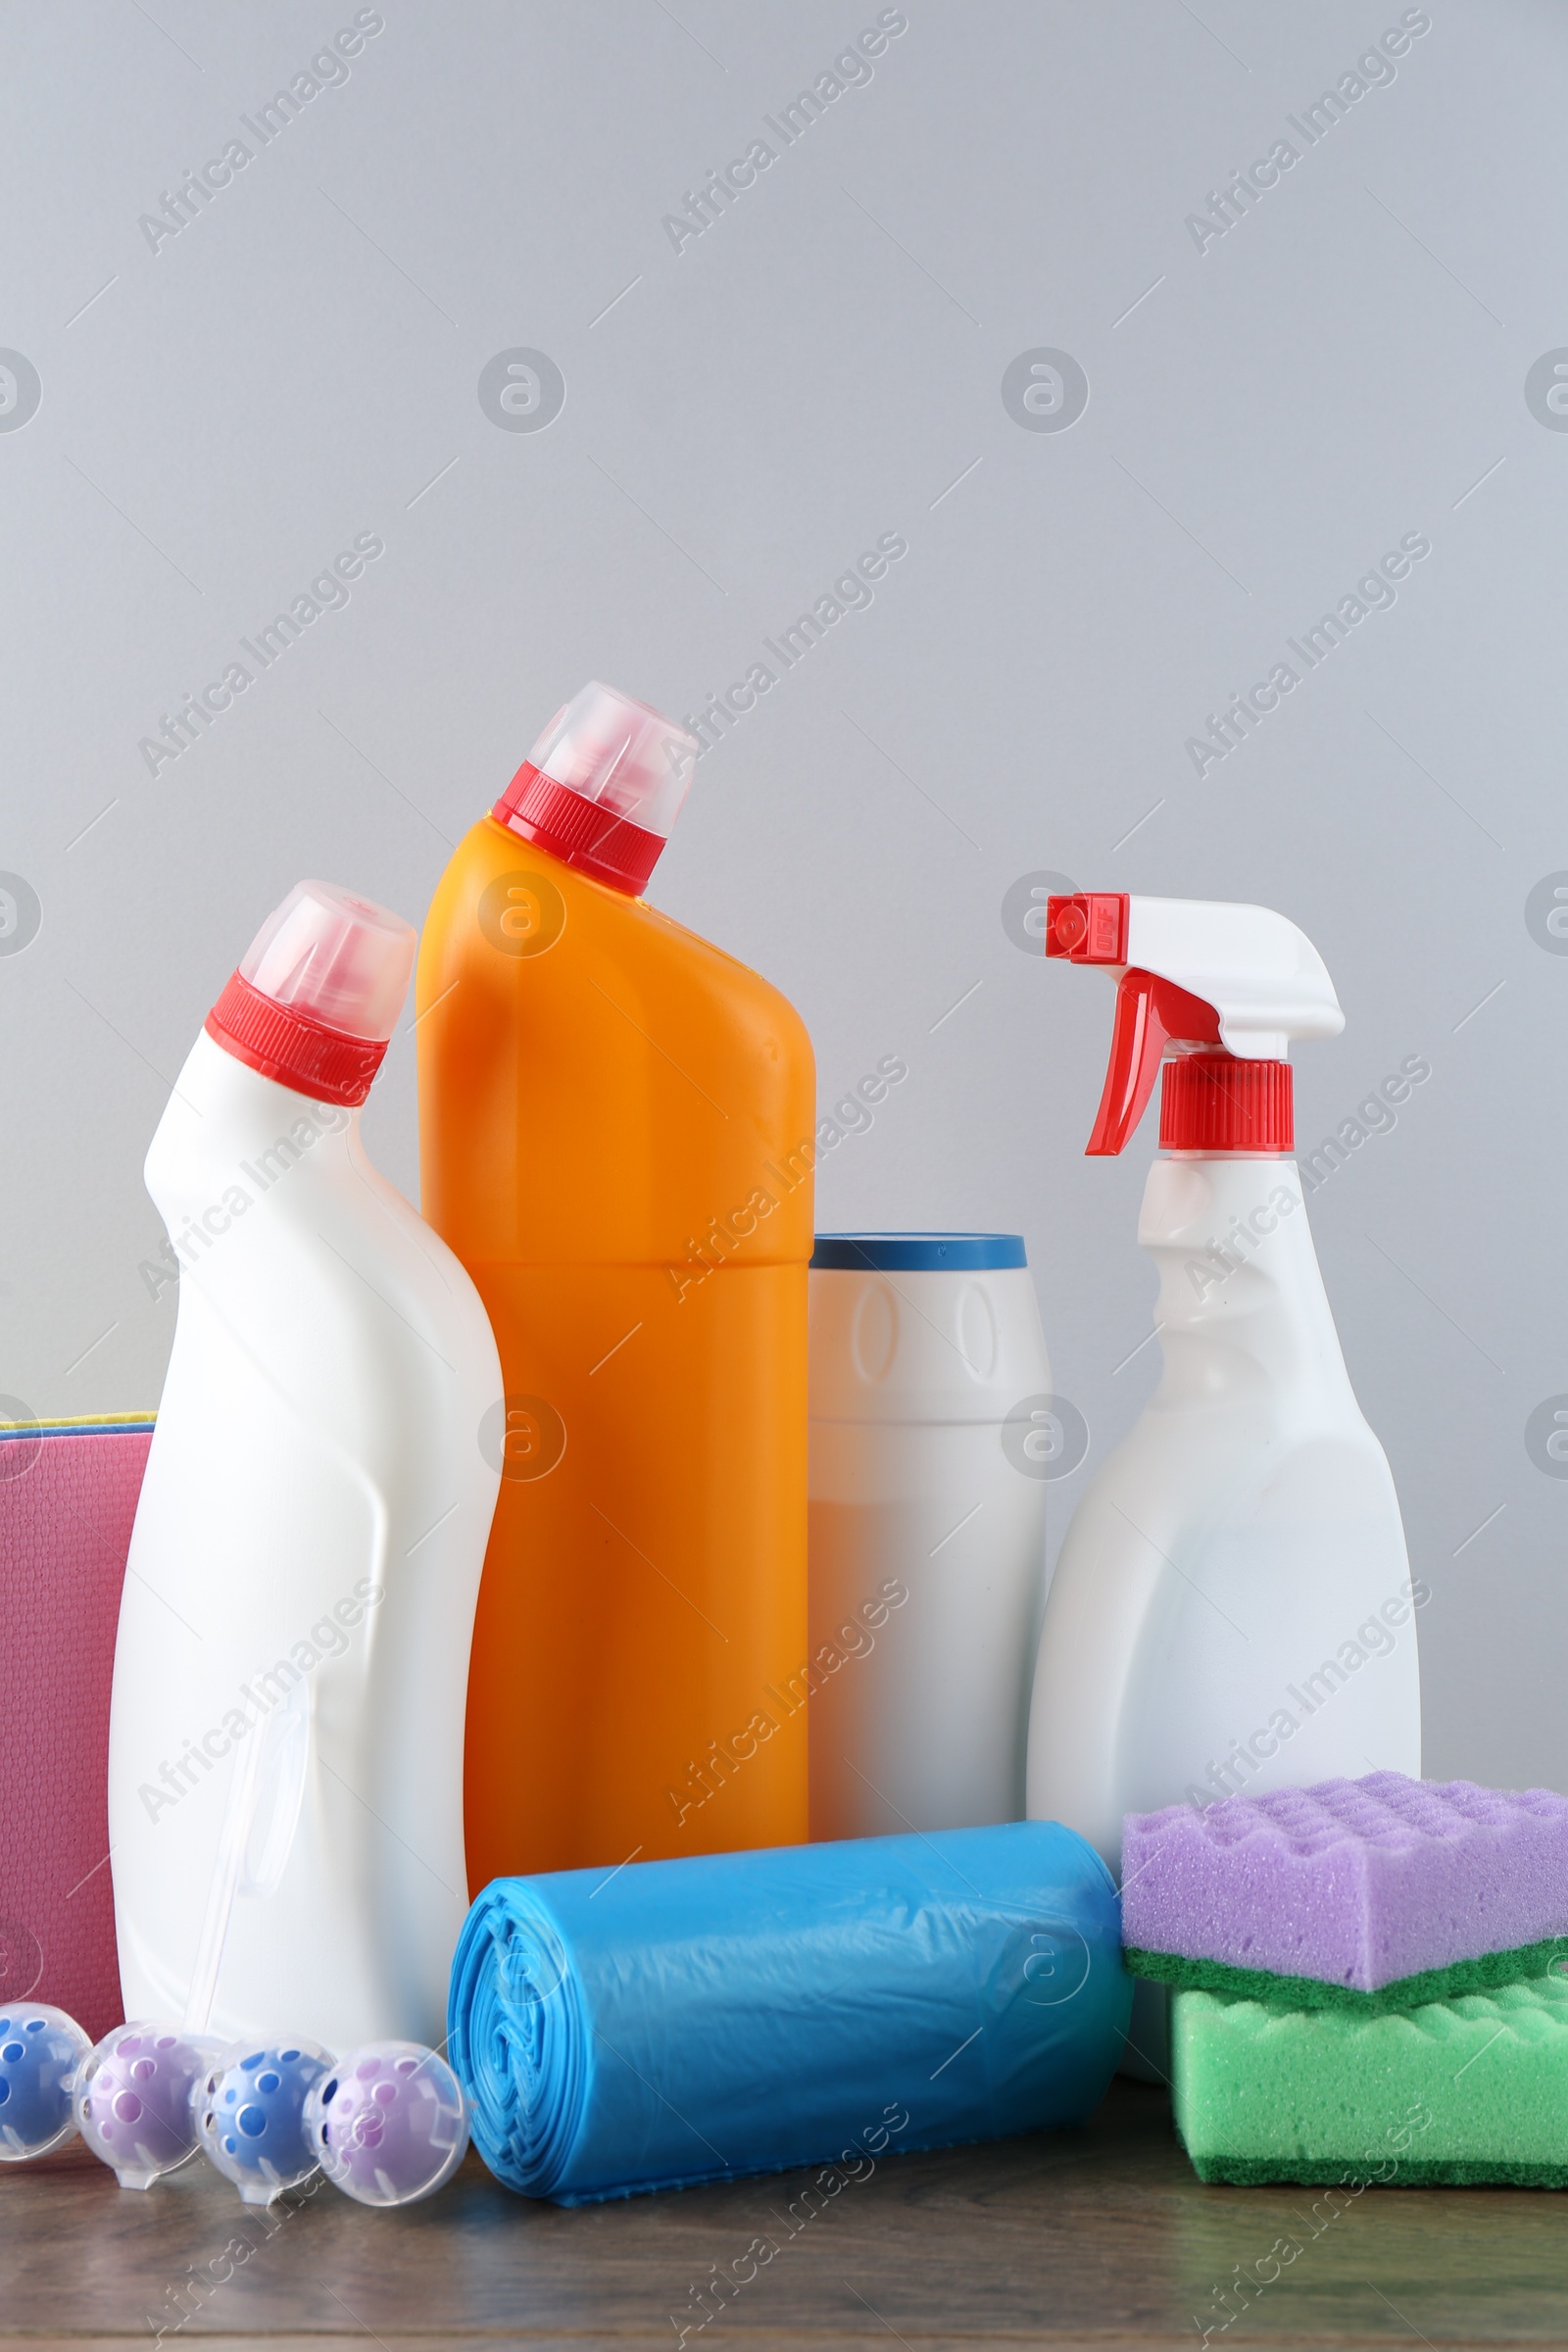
(340, 960)
(623, 756)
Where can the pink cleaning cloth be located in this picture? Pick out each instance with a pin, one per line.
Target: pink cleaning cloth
(67, 1500)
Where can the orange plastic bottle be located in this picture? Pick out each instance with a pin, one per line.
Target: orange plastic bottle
(616, 1134)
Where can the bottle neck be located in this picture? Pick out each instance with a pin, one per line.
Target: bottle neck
(1239, 1283)
(1219, 1102)
(293, 1048)
(578, 831)
(227, 1134)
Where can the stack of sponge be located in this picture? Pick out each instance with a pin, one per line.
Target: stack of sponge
(1367, 1976)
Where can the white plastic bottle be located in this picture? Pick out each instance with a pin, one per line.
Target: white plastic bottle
(932, 1437)
(308, 1544)
(1232, 1609)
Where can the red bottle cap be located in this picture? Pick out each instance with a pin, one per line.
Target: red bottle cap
(1218, 1103)
(603, 786)
(318, 993)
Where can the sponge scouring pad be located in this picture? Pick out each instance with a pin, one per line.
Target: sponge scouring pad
(1469, 2091)
(1374, 1894)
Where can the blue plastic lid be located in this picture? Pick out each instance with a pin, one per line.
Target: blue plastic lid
(918, 1253)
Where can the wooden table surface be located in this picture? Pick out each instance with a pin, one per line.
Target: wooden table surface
(1097, 2237)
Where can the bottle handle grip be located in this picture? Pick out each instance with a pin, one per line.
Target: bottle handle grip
(267, 1787)
(279, 1794)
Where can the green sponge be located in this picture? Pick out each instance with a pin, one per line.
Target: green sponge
(1466, 2090)
(1479, 1975)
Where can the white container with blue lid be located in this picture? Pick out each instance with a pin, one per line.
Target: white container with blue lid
(933, 1437)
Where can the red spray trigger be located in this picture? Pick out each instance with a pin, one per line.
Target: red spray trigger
(1151, 1012)
(1091, 927)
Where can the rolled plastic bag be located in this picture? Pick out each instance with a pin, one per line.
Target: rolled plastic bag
(676, 2022)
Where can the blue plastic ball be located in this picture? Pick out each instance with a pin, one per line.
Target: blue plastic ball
(249, 2111)
(40, 2050)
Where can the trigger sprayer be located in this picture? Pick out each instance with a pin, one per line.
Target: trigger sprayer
(1221, 989)
(1200, 1636)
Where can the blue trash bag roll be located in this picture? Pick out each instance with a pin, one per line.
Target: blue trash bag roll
(686, 2021)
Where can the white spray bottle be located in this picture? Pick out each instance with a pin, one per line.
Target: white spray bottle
(1232, 1609)
(291, 1666)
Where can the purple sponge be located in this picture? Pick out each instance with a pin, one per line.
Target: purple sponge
(1379, 1887)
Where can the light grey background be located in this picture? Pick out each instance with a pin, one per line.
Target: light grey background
(743, 418)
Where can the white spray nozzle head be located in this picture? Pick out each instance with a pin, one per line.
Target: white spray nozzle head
(1263, 975)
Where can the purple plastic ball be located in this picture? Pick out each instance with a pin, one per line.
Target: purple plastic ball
(133, 2099)
(390, 2122)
